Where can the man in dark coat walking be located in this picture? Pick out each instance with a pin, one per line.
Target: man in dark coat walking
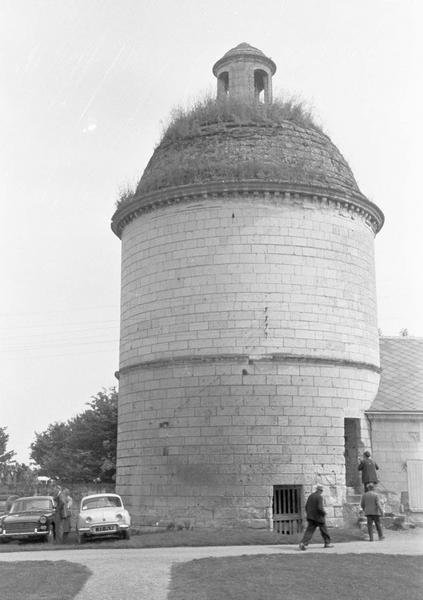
(368, 469)
(315, 518)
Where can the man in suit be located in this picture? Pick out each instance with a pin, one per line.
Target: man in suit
(315, 518)
(368, 469)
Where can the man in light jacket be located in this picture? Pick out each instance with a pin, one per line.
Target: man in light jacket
(370, 503)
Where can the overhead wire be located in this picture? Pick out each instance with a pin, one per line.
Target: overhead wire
(51, 337)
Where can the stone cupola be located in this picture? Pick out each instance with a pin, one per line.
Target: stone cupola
(245, 73)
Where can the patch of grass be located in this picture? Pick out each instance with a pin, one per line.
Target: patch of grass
(184, 537)
(44, 580)
(232, 537)
(299, 577)
(210, 111)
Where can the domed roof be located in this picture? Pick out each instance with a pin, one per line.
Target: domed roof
(225, 158)
(286, 152)
(244, 50)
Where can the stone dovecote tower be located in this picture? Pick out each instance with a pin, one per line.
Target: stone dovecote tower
(249, 343)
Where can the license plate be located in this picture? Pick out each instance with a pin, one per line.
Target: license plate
(104, 528)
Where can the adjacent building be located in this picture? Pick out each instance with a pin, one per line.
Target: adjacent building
(396, 423)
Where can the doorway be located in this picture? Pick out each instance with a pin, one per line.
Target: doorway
(352, 436)
(287, 503)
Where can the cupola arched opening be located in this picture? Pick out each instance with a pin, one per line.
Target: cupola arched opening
(223, 84)
(261, 86)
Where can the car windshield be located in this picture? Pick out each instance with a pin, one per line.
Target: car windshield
(101, 502)
(28, 504)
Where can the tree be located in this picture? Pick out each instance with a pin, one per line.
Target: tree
(5, 456)
(83, 448)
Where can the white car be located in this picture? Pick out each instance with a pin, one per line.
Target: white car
(102, 515)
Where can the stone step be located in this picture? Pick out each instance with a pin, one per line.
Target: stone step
(389, 522)
(354, 498)
(351, 513)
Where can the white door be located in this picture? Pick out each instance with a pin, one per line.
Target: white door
(415, 484)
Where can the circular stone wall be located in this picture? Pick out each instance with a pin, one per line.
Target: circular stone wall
(248, 335)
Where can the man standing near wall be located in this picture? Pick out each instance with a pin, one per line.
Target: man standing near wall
(58, 507)
(370, 503)
(368, 469)
(315, 518)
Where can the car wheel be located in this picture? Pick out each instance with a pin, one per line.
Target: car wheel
(126, 535)
(50, 537)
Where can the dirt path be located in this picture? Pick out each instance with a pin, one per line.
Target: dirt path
(144, 573)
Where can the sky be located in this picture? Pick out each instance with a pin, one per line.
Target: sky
(88, 86)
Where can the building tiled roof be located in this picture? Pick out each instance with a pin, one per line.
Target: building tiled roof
(401, 382)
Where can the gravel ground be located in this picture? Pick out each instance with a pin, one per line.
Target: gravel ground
(129, 574)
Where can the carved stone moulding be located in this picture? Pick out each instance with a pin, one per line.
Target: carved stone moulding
(338, 199)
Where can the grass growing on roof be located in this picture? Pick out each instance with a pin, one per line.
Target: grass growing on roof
(126, 194)
(209, 115)
(185, 122)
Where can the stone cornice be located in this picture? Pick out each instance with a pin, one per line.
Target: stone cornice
(394, 414)
(277, 358)
(248, 56)
(276, 191)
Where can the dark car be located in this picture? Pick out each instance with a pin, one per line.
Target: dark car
(29, 518)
